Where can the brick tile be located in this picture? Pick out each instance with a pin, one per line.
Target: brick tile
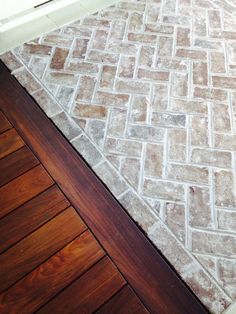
(124, 147)
(135, 22)
(175, 219)
(127, 66)
(90, 111)
(87, 150)
(210, 93)
(200, 73)
(160, 97)
(191, 54)
(221, 118)
(199, 133)
(62, 78)
(188, 173)
(80, 48)
(37, 49)
(66, 125)
(225, 82)
(117, 122)
(132, 87)
(153, 75)
(212, 158)
(212, 243)
(165, 46)
(11, 61)
(118, 30)
(154, 160)
(168, 120)
(99, 40)
(59, 58)
(199, 207)
(110, 177)
(27, 80)
(226, 219)
(82, 67)
(142, 38)
(86, 88)
(189, 106)
(163, 190)
(139, 109)
(152, 134)
(130, 169)
(183, 37)
(102, 57)
(225, 193)
(138, 210)
(108, 76)
(217, 62)
(179, 84)
(159, 28)
(111, 99)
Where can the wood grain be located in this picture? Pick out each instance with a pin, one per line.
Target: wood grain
(153, 280)
(123, 302)
(4, 123)
(88, 292)
(38, 246)
(31, 216)
(10, 142)
(23, 188)
(16, 164)
(51, 277)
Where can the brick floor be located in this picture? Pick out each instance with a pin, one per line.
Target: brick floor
(146, 92)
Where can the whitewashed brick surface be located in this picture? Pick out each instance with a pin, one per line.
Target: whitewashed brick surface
(145, 90)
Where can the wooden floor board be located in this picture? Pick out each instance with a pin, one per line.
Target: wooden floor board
(10, 142)
(30, 216)
(23, 188)
(123, 302)
(88, 292)
(38, 246)
(4, 123)
(16, 164)
(51, 277)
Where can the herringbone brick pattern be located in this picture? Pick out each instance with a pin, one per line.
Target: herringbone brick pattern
(152, 85)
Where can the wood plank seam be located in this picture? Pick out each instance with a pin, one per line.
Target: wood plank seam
(117, 292)
(28, 234)
(54, 253)
(87, 270)
(42, 166)
(41, 225)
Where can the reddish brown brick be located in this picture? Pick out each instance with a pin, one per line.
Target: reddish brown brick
(59, 58)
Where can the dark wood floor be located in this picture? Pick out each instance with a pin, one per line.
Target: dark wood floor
(50, 260)
(66, 244)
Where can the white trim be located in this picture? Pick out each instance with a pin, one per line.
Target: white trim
(35, 13)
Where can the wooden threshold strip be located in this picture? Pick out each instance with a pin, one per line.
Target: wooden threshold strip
(151, 277)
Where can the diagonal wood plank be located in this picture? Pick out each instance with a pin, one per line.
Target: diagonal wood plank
(123, 302)
(23, 188)
(31, 216)
(88, 292)
(51, 277)
(10, 142)
(16, 164)
(38, 246)
(4, 123)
